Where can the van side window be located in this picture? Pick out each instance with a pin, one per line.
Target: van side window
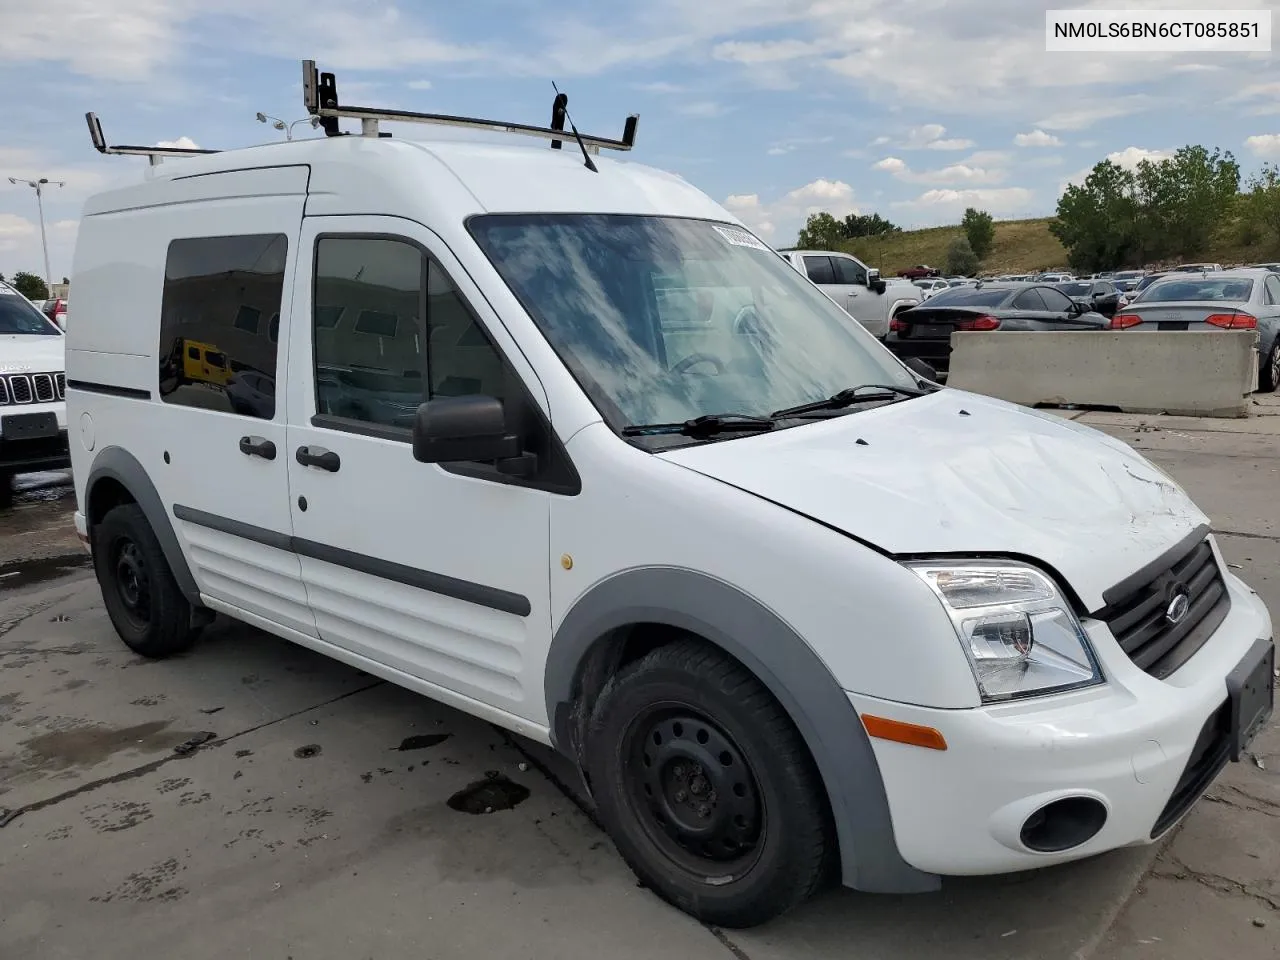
(460, 357)
(213, 352)
(367, 329)
(377, 366)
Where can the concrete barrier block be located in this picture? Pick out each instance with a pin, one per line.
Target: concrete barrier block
(1183, 373)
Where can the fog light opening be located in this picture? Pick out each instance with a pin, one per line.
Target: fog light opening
(1063, 824)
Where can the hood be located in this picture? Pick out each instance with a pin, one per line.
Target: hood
(955, 472)
(25, 353)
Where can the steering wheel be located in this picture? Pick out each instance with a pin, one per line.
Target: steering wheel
(693, 359)
(747, 322)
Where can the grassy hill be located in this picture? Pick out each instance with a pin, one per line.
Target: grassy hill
(1021, 246)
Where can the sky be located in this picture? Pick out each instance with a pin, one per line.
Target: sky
(913, 109)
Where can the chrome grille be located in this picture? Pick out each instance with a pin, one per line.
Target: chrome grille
(32, 388)
(1140, 619)
(45, 391)
(20, 388)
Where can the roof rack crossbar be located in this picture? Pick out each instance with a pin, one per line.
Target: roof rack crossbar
(320, 96)
(124, 150)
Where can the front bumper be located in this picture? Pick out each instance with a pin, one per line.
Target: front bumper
(1134, 745)
(29, 453)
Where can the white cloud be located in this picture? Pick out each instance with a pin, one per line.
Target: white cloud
(1130, 157)
(784, 147)
(1264, 145)
(929, 136)
(17, 232)
(121, 40)
(182, 143)
(956, 173)
(879, 141)
(78, 181)
(918, 138)
(659, 86)
(419, 84)
(1036, 138)
(700, 109)
(1087, 114)
(779, 221)
(942, 206)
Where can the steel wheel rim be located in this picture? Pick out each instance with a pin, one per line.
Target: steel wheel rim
(132, 581)
(693, 792)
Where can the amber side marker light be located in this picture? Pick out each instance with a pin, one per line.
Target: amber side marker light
(908, 733)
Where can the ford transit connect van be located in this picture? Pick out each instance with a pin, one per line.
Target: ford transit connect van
(787, 605)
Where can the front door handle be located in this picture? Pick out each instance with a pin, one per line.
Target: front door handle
(319, 457)
(258, 447)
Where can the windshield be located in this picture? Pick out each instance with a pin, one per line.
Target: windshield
(970, 297)
(1235, 290)
(17, 316)
(1076, 289)
(664, 319)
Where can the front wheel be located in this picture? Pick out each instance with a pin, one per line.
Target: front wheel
(706, 787)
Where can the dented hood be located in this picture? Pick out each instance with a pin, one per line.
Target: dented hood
(955, 472)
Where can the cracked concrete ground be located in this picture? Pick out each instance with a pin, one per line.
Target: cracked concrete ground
(312, 819)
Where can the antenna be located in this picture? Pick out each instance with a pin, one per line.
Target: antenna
(154, 154)
(320, 97)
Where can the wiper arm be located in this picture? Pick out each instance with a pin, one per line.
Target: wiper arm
(848, 397)
(707, 425)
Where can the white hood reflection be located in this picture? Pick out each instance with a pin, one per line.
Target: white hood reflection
(666, 319)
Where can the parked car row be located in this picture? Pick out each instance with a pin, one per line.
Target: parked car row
(1245, 299)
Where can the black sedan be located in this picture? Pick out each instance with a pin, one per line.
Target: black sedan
(1100, 296)
(925, 331)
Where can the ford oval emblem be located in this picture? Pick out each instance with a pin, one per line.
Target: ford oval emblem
(1178, 608)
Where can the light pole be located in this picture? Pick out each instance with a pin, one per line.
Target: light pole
(38, 186)
(288, 129)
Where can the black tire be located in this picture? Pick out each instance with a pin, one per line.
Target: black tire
(142, 598)
(6, 490)
(730, 756)
(1269, 373)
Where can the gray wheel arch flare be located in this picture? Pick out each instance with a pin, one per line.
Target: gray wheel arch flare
(120, 465)
(747, 630)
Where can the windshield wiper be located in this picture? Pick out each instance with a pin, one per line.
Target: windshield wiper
(707, 425)
(848, 397)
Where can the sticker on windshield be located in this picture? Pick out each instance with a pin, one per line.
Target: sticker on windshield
(739, 238)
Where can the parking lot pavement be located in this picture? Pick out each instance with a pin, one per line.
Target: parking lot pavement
(330, 815)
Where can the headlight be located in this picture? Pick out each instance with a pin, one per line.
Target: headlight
(1018, 631)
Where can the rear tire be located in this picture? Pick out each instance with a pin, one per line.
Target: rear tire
(6, 490)
(142, 598)
(1269, 374)
(706, 787)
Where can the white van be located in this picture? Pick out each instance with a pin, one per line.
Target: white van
(446, 412)
(33, 412)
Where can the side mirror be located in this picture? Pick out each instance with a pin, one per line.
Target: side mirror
(875, 281)
(460, 429)
(921, 369)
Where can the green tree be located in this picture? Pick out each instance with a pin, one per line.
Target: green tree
(1096, 220)
(1260, 206)
(30, 286)
(980, 230)
(961, 260)
(1183, 200)
(855, 226)
(821, 232)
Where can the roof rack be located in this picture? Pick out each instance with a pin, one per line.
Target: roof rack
(154, 154)
(320, 96)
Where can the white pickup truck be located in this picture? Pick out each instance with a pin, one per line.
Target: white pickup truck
(860, 289)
